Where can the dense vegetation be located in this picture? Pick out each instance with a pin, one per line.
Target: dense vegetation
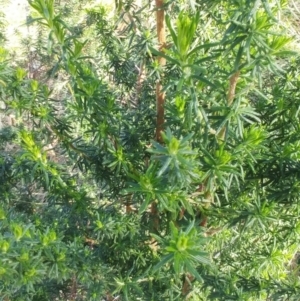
(97, 203)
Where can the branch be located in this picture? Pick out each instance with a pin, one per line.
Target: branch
(230, 97)
(160, 96)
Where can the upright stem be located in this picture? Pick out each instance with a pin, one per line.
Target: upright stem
(160, 102)
(230, 97)
(232, 85)
(160, 96)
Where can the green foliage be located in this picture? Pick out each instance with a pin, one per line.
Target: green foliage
(182, 249)
(92, 208)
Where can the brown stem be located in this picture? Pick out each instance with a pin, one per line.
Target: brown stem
(139, 84)
(232, 85)
(230, 97)
(160, 103)
(141, 78)
(160, 96)
(187, 284)
(155, 217)
(74, 288)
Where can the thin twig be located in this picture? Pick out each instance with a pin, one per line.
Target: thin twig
(230, 97)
